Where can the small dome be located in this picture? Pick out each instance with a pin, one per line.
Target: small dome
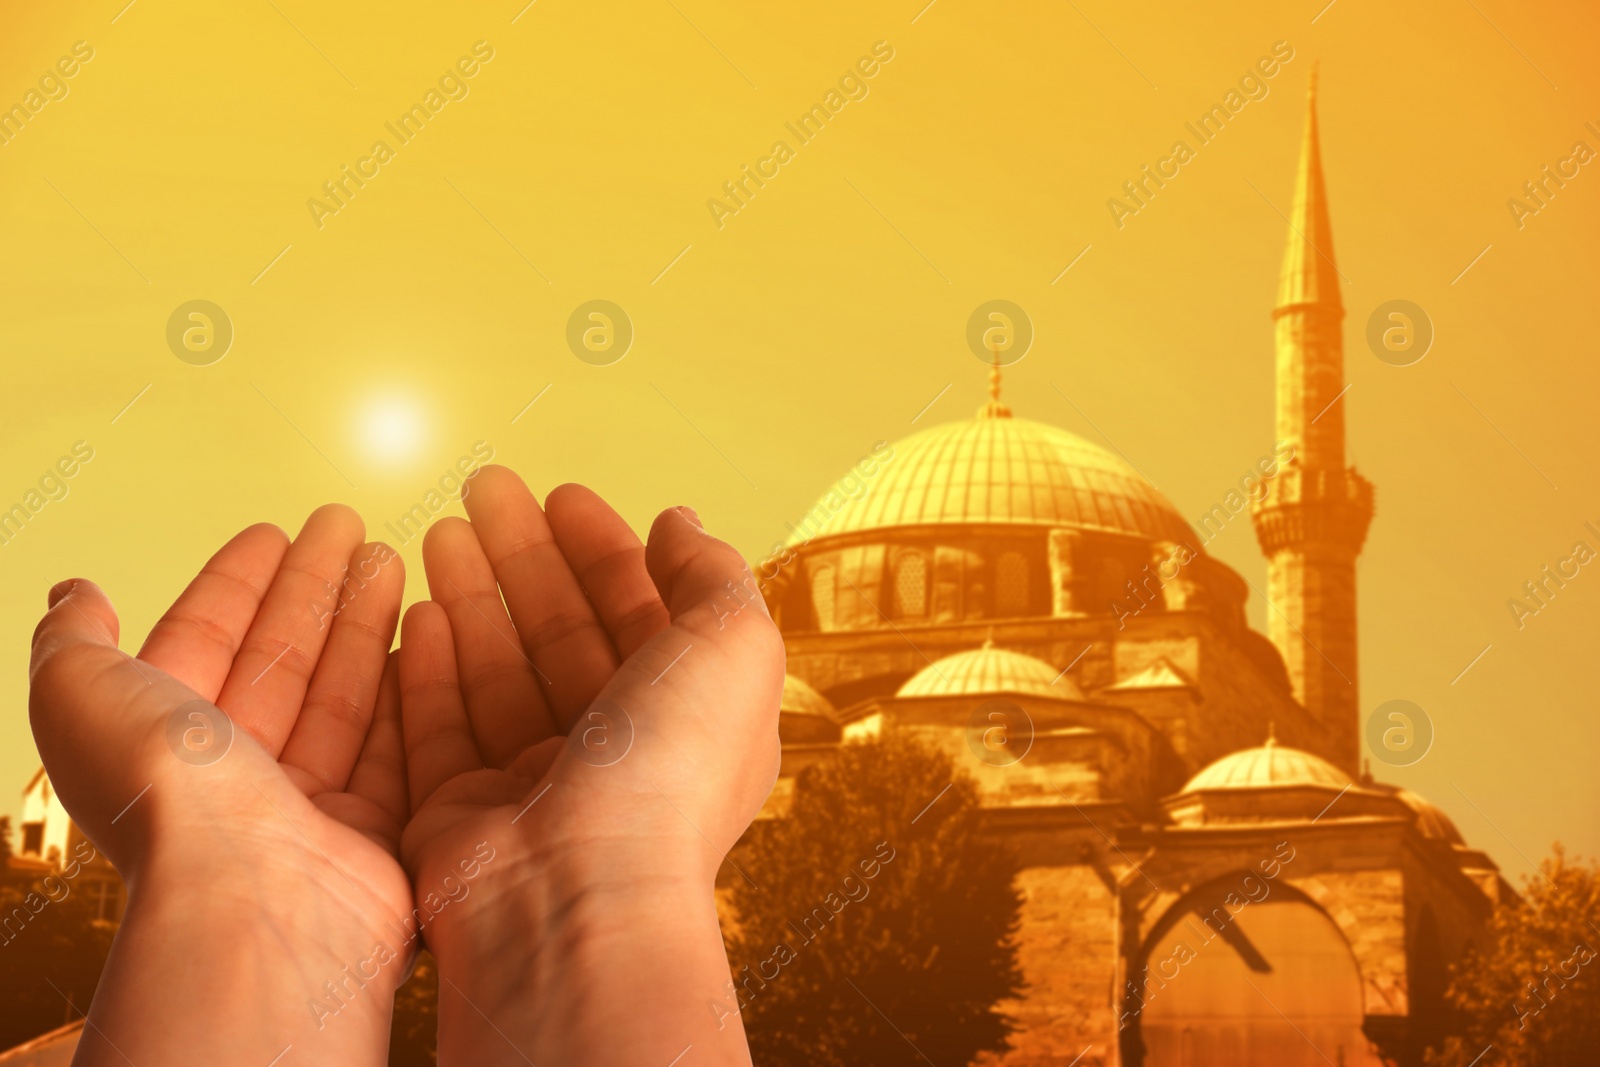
(800, 699)
(989, 671)
(1271, 765)
(1431, 822)
(805, 716)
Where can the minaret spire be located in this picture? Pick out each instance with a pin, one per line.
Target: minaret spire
(1310, 273)
(1310, 315)
(1313, 518)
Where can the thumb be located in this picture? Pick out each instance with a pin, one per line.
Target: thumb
(91, 604)
(79, 629)
(92, 705)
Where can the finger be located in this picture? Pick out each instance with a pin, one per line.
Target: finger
(265, 688)
(692, 569)
(438, 736)
(558, 628)
(83, 689)
(380, 773)
(80, 625)
(92, 605)
(198, 637)
(504, 691)
(608, 559)
(336, 715)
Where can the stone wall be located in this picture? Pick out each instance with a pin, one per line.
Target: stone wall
(1067, 950)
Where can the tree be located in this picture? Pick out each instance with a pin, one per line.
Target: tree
(51, 952)
(413, 1033)
(1532, 989)
(876, 926)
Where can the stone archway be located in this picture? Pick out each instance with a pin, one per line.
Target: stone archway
(1230, 981)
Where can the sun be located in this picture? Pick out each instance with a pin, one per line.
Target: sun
(393, 429)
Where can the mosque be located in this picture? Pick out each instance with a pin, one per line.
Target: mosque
(1210, 878)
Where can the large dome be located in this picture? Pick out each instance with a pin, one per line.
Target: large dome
(998, 469)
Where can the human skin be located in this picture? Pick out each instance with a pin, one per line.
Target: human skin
(555, 643)
(254, 879)
(258, 882)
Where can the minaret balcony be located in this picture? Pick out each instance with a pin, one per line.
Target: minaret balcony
(1331, 508)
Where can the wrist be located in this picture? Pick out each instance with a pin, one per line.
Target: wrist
(214, 967)
(315, 939)
(593, 956)
(565, 903)
(617, 977)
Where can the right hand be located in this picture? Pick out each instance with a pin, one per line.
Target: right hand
(610, 747)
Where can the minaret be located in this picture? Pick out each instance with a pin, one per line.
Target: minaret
(1313, 519)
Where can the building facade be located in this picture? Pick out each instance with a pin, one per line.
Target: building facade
(47, 842)
(1210, 879)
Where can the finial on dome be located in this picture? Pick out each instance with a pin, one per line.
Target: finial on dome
(1272, 734)
(994, 409)
(988, 638)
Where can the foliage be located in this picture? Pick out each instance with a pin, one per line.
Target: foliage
(870, 925)
(413, 1033)
(51, 954)
(1532, 989)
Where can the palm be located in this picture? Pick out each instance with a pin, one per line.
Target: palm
(308, 787)
(562, 687)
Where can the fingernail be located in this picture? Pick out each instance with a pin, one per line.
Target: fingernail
(59, 591)
(688, 513)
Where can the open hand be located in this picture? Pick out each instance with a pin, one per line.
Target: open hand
(602, 717)
(258, 847)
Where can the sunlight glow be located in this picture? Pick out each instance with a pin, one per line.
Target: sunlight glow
(393, 429)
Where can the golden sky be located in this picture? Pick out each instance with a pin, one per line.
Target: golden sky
(375, 345)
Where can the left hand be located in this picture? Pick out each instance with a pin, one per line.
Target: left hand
(257, 876)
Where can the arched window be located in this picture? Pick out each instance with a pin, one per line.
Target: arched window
(1011, 584)
(822, 597)
(910, 585)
